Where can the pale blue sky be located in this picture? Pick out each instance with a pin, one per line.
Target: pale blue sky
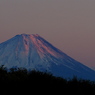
(67, 24)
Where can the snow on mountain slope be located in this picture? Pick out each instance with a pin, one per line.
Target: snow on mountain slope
(34, 52)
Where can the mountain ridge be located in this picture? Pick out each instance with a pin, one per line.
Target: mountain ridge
(31, 51)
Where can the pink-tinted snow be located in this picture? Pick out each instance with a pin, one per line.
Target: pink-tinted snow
(41, 47)
(26, 43)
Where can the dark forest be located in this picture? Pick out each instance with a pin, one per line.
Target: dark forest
(19, 81)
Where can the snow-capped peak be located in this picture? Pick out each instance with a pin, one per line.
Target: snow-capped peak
(31, 51)
(41, 45)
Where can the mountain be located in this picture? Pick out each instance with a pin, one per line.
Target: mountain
(31, 51)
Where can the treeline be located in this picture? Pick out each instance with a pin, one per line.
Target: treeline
(19, 81)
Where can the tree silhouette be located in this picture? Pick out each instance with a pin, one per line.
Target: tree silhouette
(20, 81)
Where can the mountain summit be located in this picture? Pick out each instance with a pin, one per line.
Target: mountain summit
(31, 51)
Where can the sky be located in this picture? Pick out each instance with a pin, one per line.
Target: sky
(69, 25)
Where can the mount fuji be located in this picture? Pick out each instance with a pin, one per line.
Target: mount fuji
(31, 51)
